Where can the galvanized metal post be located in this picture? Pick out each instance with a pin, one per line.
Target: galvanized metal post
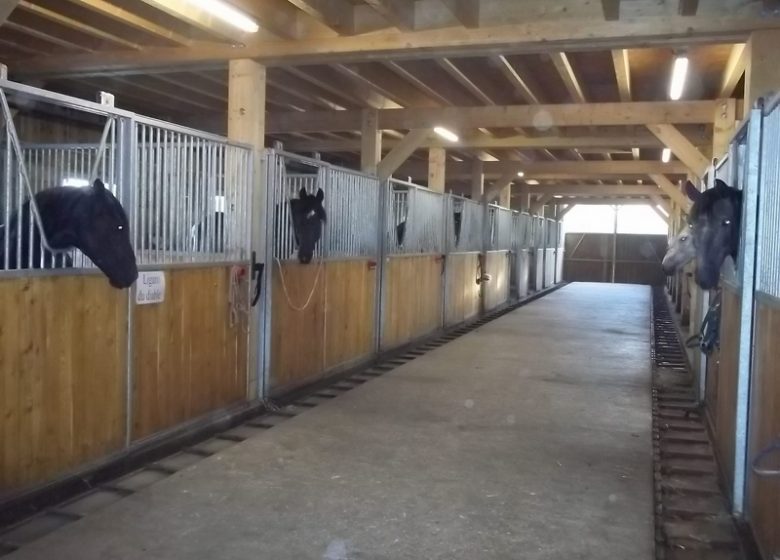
(614, 242)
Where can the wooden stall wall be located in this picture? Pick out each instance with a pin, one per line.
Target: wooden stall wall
(187, 359)
(63, 372)
(764, 492)
(335, 329)
(497, 289)
(463, 292)
(722, 409)
(413, 299)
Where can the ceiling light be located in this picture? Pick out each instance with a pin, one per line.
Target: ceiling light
(446, 134)
(228, 14)
(557, 196)
(666, 155)
(521, 173)
(679, 71)
(532, 182)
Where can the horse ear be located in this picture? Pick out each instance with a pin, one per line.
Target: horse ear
(320, 195)
(98, 185)
(720, 184)
(692, 192)
(302, 193)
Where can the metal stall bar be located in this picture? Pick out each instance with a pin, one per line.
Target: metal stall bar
(747, 271)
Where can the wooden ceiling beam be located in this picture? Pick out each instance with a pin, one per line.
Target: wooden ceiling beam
(569, 77)
(125, 17)
(458, 75)
(197, 17)
(338, 15)
(622, 73)
(429, 91)
(735, 69)
(399, 13)
(324, 80)
(467, 12)
(47, 37)
(670, 190)
(6, 7)
(405, 148)
(467, 118)
(525, 88)
(532, 35)
(591, 141)
(681, 147)
(76, 25)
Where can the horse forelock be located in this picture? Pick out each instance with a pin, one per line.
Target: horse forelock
(710, 198)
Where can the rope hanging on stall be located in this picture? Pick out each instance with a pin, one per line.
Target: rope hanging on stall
(287, 294)
(708, 338)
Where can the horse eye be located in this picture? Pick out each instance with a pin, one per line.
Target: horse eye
(726, 222)
(120, 228)
(684, 238)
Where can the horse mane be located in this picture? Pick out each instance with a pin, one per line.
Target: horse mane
(710, 197)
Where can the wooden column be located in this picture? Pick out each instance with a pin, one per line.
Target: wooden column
(246, 123)
(762, 72)
(724, 126)
(505, 198)
(437, 163)
(477, 179)
(370, 142)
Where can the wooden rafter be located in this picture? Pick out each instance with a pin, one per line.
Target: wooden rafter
(735, 69)
(680, 147)
(622, 73)
(524, 86)
(6, 7)
(464, 80)
(611, 9)
(401, 153)
(195, 16)
(375, 95)
(670, 190)
(47, 37)
(467, 12)
(533, 35)
(336, 14)
(464, 118)
(399, 13)
(566, 72)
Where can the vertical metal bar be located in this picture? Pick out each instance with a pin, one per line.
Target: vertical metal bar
(7, 209)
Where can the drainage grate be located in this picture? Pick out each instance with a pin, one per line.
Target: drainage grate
(692, 516)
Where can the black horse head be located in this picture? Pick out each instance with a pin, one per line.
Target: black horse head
(715, 228)
(308, 215)
(89, 219)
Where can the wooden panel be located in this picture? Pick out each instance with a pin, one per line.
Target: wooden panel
(497, 289)
(462, 288)
(62, 375)
(724, 413)
(187, 358)
(350, 312)
(588, 258)
(412, 306)
(764, 493)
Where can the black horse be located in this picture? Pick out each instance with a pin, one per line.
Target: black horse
(89, 219)
(308, 216)
(714, 222)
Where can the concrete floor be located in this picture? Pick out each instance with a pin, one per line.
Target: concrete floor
(526, 439)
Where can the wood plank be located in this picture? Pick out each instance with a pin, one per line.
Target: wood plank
(200, 18)
(61, 400)
(764, 425)
(370, 142)
(497, 289)
(392, 161)
(735, 69)
(465, 118)
(339, 15)
(467, 12)
(622, 67)
(762, 73)
(188, 359)
(724, 127)
(671, 190)
(681, 147)
(437, 166)
(411, 314)
(569, 77)
(532, 35)
(399, 13)
(463, 292)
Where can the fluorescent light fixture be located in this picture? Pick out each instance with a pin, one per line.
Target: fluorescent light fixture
(521, 173)
(531, 182)
(228, 14)
(679, 71)
(74, 182)
(557, 196)
(446, 134)
(662, 210)
(666, 155)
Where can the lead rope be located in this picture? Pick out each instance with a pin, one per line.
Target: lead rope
(287, 294)
(708, 337)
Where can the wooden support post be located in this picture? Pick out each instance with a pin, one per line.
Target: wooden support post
(762, 72)
(370, 142)
(505, 196)
(477, 179)
(671, 190)
(406, 147)
(246, 123)
(724, 126)
(437, 163)
(681, 147)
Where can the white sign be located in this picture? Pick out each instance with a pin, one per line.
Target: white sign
(150, 287)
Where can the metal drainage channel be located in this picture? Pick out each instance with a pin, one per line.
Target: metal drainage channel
(49, 519)
(692, 519)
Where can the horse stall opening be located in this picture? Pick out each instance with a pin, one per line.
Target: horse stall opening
(464, 246)
(88, 373)
(320, 316)
(413, 267)
(498, 257)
